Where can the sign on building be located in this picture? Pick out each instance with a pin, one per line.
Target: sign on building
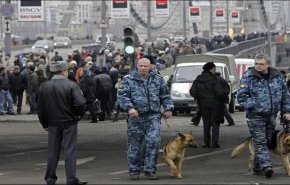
(31, 10)
(220, 15)
(120, 9)
(7, 10)
(235, 16)
(161, 8)
(194, 14)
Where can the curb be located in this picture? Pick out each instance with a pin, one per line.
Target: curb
(25, 118)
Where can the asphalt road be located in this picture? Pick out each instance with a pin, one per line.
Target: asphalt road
(102, 155)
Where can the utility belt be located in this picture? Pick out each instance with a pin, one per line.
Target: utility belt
(149, 113)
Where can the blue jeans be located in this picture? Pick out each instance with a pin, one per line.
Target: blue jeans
(5, 95)
(32, 102)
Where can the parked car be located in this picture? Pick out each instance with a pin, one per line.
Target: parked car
(110, 41)
(95, 46)
(62, 42)
(47, 45)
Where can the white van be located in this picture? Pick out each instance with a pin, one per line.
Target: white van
(188, 67)
(242, 64)
(184, 75)
(109, 39)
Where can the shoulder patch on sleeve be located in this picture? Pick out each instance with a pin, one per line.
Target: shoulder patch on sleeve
(243, 85)
(121, 85)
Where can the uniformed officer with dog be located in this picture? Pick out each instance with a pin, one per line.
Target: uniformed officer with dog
(263, 93)
(142, 93)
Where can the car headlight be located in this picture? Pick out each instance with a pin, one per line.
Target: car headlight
(54, 44)
(176, 94)
(65, 43)
(45, 46)
(33, 47)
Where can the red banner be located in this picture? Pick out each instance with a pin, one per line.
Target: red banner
(194, 11)
(235, 14)
(120, 3)
(219, 12)
(161, 4)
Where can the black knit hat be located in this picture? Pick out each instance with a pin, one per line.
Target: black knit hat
(2, 69)
(151, 58)
(208, 66)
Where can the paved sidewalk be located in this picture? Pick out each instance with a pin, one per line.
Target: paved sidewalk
(24, 117)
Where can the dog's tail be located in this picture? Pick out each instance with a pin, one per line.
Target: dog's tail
(237, 150)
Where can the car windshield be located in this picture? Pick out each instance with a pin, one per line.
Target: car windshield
(60, 39)
(41, 42)
(100, 39)
(187, 74)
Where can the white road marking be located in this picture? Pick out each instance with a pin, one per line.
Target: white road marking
(79, 161)
(186, 158)
(24, 153)
(6, 173)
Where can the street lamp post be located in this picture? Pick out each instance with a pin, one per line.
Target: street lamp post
(273, 62)
(184, 19)
(104, 29)
(149, 19)
(8, 34)
(210, 18)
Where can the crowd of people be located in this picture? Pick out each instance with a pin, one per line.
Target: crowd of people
(97, 74)
(60, 90)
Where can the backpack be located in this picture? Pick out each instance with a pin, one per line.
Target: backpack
(222, 90)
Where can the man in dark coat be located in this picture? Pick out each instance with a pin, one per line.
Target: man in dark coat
(203, 89)
(17, 85)
(104, 86)
(88, 88)
(61, 105)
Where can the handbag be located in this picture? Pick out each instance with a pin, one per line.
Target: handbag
(97, 104)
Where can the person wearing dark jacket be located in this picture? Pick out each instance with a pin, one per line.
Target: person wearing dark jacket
(5, 93)
(18, 63)
(61, 105)
(114, 74)
(17, 86)
(32, 88)
(225, 100)
(88, 88)
(77, 57)
(104, 86)
(203, 89)
(56, 57)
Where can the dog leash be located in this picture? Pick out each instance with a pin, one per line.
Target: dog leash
(173, 133)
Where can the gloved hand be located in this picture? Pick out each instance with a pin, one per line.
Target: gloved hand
(287, 116)
(167, 114)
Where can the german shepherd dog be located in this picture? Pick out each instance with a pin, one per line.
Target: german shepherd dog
(174, 152)
(280, 144)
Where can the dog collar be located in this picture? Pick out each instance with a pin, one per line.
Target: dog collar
(285, 151)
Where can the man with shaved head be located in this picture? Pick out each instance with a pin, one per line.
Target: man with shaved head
(141, 94)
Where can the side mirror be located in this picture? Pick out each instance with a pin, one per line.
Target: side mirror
(166, 78)
(232, 78)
